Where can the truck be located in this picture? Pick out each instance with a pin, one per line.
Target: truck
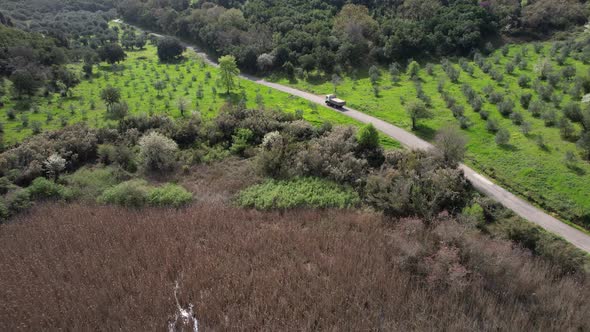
(331, 100)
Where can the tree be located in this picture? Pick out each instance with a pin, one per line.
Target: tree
(128, 39)
(118, 111)
(414, 70)
(265, 62)
(182, 105)
(336, 81)
(112, 53)
(394, 72)
(307, 62)
(157, 152)
(54, 165)
(140, 41)
(355, 28)
(416, 109)
(68, 78)
(169, 49)
(452, 145)
(374, 75)
(25, 82)
(502, 137)
(159, 86)
(229, 71)
(368, 137)
(584, 144)
(110, 95)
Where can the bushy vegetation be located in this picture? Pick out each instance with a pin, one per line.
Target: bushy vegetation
(169, 195)
(299, 192)
(138, 193)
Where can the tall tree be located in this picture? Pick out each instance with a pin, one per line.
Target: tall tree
(169, 49)
(112, 53)
(110, 95)
(229, 71)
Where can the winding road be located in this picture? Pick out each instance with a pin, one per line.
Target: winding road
(480, 182)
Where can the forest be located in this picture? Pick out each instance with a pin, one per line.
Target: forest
(336, 35)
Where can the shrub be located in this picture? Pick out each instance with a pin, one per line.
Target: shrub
(157, 152)
(6, 185)
(516, 118)
(566, 128)
(458, 110)
(368, 137)
(483, 114)
(133, 193)
(476, 104)
(495, 97)
(241, 140)
(332, 156)
(42, 188)
(452, 145)
(18, 201)
(502, 137)
(506, 107)
(464, 122)
(509, 68)
(426, 193)
(525, 100)
(536, 108)
(89, 183)
(299, 192)
(524, 81)
(118, 111)
(573, 111)
(492, 125)
(554, 79)
(526, 128)
(169, 195)
(549, 116)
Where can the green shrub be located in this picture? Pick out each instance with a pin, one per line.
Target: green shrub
(133, 193)
(368, 137)
(4, 213)
(88, 183)
(241, 140)
(42, 188)
(299, 192)
(18, 201)
(5, 185)
(169, 195)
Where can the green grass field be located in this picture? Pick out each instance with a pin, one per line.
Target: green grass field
(135, 77)
(537, 173)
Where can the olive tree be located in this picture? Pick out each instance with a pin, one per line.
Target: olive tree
(451, 144)
(416, 109)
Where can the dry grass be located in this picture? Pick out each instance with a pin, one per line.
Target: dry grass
(220, 181)
(82, 267)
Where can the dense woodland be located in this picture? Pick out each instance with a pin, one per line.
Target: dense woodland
(337, 35)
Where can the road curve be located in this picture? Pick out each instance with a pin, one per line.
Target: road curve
(481, 183)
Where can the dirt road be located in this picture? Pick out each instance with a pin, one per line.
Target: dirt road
(481, 183)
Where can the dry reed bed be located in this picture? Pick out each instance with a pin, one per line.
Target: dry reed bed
(80, 267)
